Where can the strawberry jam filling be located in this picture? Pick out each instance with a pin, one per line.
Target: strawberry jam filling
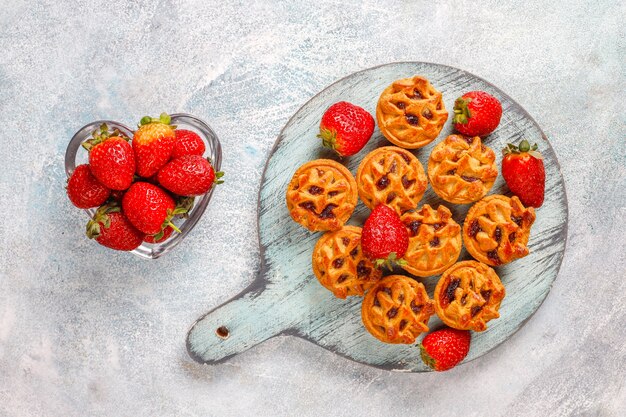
(362, 270)
(315, 190)
(327, 213)
(448, 294)
(338, 263)
(382, 183)
(474, 228)
(414, 227)
(416, 308)
(493, 257)
(406, 182)
(412, 119)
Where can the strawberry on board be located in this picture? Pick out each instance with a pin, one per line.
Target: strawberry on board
(112, 229)
(149, 208)
(443, 349)
(84, 190)
(189, 176)
(476, 113)
(524, 173)
(153, 144)
(187, 143)
(111, 158)
(346, 128)
(384, 238)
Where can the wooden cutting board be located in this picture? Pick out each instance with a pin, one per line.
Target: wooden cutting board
(286, 298)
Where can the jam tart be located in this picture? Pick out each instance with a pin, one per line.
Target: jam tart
(322, 195)
(397, 309)
(468, 295)
(461, 169)
(339, 263)
(497, 228)
(393, 176)
(434, 240)
(411, 112)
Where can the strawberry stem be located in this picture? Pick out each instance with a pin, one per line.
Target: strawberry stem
(462, 113)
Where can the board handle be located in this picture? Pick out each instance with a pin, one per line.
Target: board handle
(237, 325)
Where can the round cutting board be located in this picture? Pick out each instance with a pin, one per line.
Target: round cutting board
(286, 298)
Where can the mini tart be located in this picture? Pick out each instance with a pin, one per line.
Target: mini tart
(434, 240)
(411, 113)
(461, 169)
(468, 295)
(322, 195)
(339, 263)
(397, 310)
(393, 176)
(497, 228)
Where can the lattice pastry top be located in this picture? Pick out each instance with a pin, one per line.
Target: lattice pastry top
(434, 240)
(411, 112)
(397, 309)
(339, 263)
(468, 295)
(322, 195)
(393, 176)
(461, 169)
(497, 228)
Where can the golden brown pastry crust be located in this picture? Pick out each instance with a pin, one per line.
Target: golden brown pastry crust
(397, 309)
(434, 240)
(322, 195)
(461, 169)
(411, 112)
(468, 295)
(340, 265)
(497, 228)
(393, 176)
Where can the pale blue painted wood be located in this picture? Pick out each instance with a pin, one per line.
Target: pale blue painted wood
(287, 299)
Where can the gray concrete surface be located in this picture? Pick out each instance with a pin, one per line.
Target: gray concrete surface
(88, 332)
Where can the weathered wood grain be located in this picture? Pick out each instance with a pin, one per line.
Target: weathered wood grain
(287, 299)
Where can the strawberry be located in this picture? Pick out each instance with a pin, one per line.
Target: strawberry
(111, 158)
(112, 229)
(84, 190)
(189, 175)
(149, 208)
(153, 144)
(159, 237)
(187, 143)
(384, 238)
(524, 173)
(346, 128)
(443, 349)
(476, 113)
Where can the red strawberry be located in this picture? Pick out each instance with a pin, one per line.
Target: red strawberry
(112, 229)
(384, 238)
(111, 158)
(189, 175)
(84, 190)
(153, 144)
(159, 237)
(346, 128)
(188, 143)
(476, 113)
(149, 208)
(443, 349)
(524, 173)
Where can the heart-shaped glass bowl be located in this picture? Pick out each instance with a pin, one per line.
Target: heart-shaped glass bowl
(183, 121)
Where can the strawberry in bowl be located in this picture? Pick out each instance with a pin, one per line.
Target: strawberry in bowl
(117, 181)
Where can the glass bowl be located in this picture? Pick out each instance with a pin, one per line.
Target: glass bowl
(183, 121)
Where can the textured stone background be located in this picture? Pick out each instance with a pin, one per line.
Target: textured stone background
(88, 332)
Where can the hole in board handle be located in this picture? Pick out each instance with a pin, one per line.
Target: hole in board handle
(222, 332)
